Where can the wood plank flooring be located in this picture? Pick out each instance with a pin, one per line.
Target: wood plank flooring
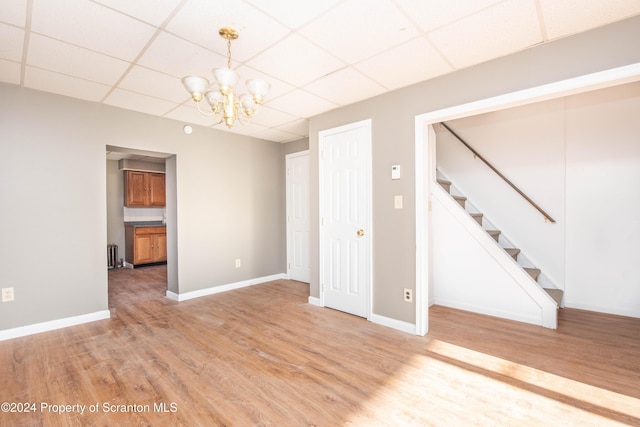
(262, 356)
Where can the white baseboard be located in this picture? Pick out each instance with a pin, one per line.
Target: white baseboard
(315, 301)
(51, 325)
(399, 325)
(519, 317)
(223, 288)
(601, 309)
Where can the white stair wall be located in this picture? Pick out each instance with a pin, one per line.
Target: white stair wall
(471, 272)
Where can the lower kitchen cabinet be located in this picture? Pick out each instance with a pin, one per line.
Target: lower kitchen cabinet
(145, 245)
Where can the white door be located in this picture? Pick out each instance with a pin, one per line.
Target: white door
(297, 170)
(345, 218)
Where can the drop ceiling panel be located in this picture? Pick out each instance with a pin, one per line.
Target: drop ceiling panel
(74, 61)
(290, 12)
(137, 102)
(296, 61)
(271, 118)
(92, 26)
(278, 87)
(149, 82)
(387, 70)
(12, 41)
(276, 135)
(13, 12)
(358, 29)
(477, 38)
(200, 20)
(9, 72)
(190, 114)
(301, 104)
(299, 127)
(430, 15)
(178, 57)
(153, 12)
(36, 78)
(345, 86)
(573, 16)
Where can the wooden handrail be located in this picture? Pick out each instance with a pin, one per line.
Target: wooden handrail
(546, 216)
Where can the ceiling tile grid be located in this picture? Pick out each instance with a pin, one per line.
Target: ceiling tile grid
(318, 55)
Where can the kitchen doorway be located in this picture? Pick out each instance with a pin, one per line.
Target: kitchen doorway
(118, 160)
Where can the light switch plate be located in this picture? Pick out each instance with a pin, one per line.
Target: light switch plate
(395, 172)
(397, 202)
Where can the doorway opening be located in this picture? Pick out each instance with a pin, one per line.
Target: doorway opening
(158, 216)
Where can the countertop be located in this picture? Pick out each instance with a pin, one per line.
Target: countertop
(145, 224)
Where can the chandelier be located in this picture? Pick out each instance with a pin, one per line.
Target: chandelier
(221, 96)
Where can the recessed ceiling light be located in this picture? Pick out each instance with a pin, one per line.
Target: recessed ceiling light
(187, 129)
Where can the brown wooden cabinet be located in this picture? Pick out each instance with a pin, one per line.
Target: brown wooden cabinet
(145, 245)
(144, 189)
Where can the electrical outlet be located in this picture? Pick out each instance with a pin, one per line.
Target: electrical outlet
(238, 263)
(408, 295)
(7, 294)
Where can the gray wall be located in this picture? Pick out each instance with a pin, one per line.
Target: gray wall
(393, 117)
(224, 202)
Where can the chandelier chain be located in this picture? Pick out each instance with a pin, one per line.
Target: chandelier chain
(229, 53)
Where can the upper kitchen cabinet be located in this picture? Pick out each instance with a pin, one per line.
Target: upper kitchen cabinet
(144, 189)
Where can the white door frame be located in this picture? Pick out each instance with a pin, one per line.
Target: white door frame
(426, 162)
(289, 197)
(367, 226)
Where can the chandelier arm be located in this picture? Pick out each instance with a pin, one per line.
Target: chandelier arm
(204, 113)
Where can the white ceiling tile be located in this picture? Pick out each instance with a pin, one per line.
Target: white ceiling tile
(142, 103)
(296, 61)
(200, 20)
(407, 64)
(271, 118)
(61, 84)
(178, 57)
(278, 87)
(429, 15)
(247, 128)
(190, 114)
(345, 86)
(9, 72)
(290, 12)
(13, 12)
(477, 38)
(298, 127)
(358, 29)
(12, 41)
(563, 18)
(301, 104)
(73, 60)
(276, 135)
(153, 12)
(148, 82)
(92, 26)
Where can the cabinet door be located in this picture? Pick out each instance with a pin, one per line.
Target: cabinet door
(136, 188)
(143, 251)
(157, 189)
(161, 247)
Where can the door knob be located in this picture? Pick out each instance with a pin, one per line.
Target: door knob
(360, 233)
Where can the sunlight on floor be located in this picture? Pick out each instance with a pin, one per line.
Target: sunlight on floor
(450, 385)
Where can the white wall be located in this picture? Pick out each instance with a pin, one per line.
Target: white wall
(603, 201)
(579, 158)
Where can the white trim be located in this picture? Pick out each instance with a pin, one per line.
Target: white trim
(601, 309)
(491, 312)
(315, 301)
(36, 328)
(223, 288)
(399, 325)
(599, 80)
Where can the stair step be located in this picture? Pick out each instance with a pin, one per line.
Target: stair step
(477, 217)
(513, 252)
(460, 199)
(556, 294)
(533, 272)
(494, 233)
(445, 184)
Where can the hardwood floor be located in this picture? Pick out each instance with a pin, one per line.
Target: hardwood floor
(262, 356)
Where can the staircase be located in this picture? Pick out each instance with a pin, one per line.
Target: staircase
(556, 294)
